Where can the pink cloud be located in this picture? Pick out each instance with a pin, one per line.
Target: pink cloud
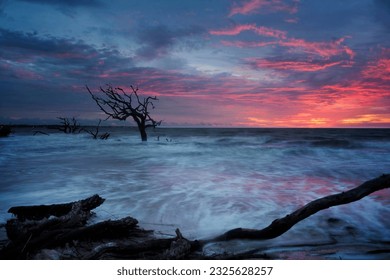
(260, 30)
(302, 66)
(379, 69)
(238, 101)
(234, 30)
(323, 49)
(253, 6)
(241, 44)
(248, 7)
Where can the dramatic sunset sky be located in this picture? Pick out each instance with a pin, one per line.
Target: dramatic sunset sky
(261, 63)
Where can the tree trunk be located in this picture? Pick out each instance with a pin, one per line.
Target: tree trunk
(141, 127)
(142, 131)
(144, 136)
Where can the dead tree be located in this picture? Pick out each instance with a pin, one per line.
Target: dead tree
(119, 105)
(95, 134)
(69, 125)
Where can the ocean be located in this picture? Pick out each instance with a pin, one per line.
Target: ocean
(209, 180)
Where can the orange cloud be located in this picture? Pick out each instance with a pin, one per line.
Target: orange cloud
(368, 118)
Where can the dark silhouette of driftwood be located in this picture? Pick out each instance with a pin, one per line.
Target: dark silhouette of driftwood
(280, 226)
(44, 211)
(63, 228)
(59, 226)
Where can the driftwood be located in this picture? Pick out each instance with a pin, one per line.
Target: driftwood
(45, 211)
(33, 229)
(63, 228)
(61, 231)
(280, 226)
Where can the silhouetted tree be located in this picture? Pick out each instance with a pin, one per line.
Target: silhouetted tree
(117, 104)
(69, 125)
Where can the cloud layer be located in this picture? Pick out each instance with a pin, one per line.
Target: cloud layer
(274, 63)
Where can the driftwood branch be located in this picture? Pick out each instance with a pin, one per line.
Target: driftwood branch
(44, 211)
(280, 226)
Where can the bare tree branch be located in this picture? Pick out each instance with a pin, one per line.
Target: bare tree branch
(69, 125)
(95, 134)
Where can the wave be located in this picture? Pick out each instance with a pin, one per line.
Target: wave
(335, 143)
(203, 181)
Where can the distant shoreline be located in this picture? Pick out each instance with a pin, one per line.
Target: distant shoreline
(55, 126)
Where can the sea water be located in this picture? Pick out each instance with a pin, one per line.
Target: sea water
(207, 180)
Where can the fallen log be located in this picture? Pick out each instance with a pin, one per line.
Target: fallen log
(99, 231)
(280, 226)
(44, 211)
(61, 233)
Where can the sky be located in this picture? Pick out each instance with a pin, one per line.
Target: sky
(218, 63)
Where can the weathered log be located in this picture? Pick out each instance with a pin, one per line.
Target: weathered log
(20, 230)
(44, 211)
(147, 247)
(179, 248)
(280, 226)
(58, 236)
(106, 229)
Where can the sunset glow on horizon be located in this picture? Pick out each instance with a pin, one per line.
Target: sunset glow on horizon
(251, 63)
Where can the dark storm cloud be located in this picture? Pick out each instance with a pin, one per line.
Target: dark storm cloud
(157, 41)
(31, 55)
(45, 74)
